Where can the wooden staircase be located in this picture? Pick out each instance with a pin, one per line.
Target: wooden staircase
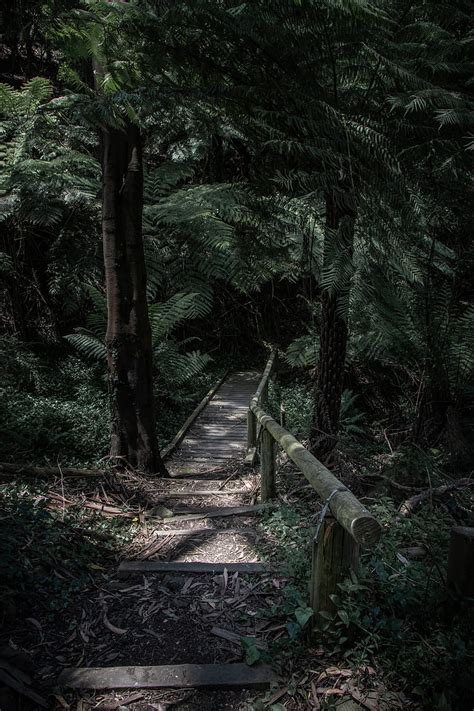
(213, 440)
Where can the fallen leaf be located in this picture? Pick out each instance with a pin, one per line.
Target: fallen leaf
(330, 691)
(111, 627)
(34, 622)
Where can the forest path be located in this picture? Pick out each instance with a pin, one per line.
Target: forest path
(190, 585)
(219, 433)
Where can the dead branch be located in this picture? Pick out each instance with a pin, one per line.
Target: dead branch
(414, 502)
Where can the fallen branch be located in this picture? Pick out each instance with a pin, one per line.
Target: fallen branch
(10, 470)
(414, 502)
(389, 481)
(100, 508)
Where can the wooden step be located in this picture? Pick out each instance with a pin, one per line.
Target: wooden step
(189, 493)
(140, 567)
(221, 511)
(194, 532)
(179, 676)
(190, 474)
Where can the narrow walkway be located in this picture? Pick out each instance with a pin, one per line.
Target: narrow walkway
(198, 565)
(220, 431)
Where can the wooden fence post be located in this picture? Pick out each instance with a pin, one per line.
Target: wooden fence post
(267, 457)
(251, 430)
(461, 563)
(334, 554)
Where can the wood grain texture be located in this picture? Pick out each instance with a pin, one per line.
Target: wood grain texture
(219, 432)
(179, 676)
(140, 567)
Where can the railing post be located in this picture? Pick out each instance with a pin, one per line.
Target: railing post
(334, 554)
(251, 430)
(267, 469)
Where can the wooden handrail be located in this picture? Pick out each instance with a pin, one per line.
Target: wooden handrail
(337, 539)
(263, 384)
(344, 506)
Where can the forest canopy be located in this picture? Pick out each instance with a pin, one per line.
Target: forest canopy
(187, 186)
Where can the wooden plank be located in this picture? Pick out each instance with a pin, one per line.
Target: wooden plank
(267, 467)
(189, 493)
(190, 475)
(235, 638)
(251, 456)
(334, 555)
(180, 434)
(194, 532)
(211, 461)
(222, 512)
(179, 676)
(212, 452)
(140, 567)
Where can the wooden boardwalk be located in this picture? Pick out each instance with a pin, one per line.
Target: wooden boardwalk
(220, 431)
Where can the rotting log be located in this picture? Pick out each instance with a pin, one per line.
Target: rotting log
(334, 555)
(345, 507)
(412, 504)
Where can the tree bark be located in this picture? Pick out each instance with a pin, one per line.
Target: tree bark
(333, 336)
(128, 338)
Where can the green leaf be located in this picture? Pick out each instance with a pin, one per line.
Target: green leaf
(344, 616)
(326, 615)
(252, 655)
(303, 614)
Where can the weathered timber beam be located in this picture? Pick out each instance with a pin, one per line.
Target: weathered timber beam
(140, 567)
(181, 676)
(345, 507)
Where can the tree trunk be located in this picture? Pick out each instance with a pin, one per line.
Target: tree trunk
(333, 335)
(128, 338)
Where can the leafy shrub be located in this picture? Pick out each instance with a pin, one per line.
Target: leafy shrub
(395, 609)
(297, 401)
(60, 413)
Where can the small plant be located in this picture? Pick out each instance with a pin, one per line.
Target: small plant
(393, 610)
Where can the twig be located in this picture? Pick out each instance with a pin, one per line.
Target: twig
(62, 489)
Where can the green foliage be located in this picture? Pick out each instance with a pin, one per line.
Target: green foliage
(351, 419)
(51, 412)
(394, 608)
(297, 401)
(176, 367)
(59, 553)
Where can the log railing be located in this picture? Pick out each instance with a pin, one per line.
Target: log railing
(344, 522)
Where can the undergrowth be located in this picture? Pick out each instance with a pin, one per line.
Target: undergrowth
(55, 409)
(394, 615)
(48, 556)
